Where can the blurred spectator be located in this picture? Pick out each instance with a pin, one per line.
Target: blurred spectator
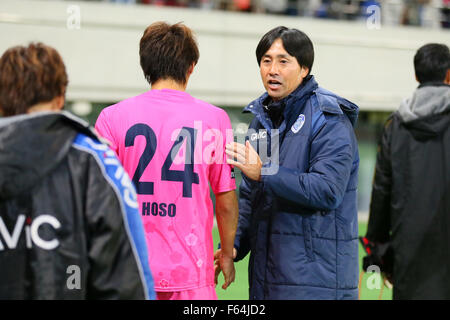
(430, 14)
(123, 1)
(306, 7)
(242, 5)
(445, 22)
(421, 13)
(368, 7)
(322, 10)
(411, 12)
(171, 3)
(207, 4)
(391, 11)
(275, 6)
(425, 13)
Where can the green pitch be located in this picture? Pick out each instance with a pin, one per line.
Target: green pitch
(239, 289)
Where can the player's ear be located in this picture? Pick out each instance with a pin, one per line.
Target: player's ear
(304, 72)
(191, 68)
(58, 103)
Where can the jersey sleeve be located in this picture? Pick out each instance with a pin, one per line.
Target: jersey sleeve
(103, 128)
(221, 174)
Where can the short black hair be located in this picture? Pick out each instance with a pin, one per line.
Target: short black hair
(431, 62)
(167, 52)
(295, 42)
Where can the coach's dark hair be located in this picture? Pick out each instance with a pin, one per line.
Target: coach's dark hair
(30, 75)
(167, 52)
(431, 62)
(295, 42)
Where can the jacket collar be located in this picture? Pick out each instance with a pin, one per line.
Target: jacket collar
(433, 84)
(304, 90)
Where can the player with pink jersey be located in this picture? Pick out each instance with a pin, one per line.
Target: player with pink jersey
(173, 147)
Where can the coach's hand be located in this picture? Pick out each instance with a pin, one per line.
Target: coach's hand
(245, 158)
(226, 265)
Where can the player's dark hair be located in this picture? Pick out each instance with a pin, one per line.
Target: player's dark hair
(167, 52)
(30, 75)
(431, 62)
(295, 42)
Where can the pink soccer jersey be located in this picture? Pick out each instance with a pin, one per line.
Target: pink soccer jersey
(173, 146)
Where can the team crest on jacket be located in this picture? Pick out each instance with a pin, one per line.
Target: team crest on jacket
(298, 123)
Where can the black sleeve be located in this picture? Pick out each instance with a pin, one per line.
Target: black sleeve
(378, 229)
(113, 266)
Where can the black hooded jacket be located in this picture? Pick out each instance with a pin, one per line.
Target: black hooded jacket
(64, 232)
(410, 204)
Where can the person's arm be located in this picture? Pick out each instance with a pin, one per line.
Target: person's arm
(324, 184)
(137, 232)
(242, 240)
(117, 250)
(227, 218)
(223, 184)
(378, 228)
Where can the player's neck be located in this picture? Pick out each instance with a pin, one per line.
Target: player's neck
(168, 84)
(54, 105)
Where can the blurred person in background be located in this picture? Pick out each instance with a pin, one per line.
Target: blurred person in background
(427, 13)
(123, 1)
(170, 3)
(148, 132)
(275, 6)
(410, 205)
(445, 12)
(69, 227)
(391, 12)
(420, 13)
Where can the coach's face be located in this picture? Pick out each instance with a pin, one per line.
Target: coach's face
(280, 72)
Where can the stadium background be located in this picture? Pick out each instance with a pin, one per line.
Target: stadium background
(365, 56)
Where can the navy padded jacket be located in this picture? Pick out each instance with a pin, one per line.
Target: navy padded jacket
(300, 224)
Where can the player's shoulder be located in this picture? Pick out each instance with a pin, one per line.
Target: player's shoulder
(334, 107)
(108, 111)
(90, 144)
(99, 150)
(210, 108)
(109, 165)
(124, 104)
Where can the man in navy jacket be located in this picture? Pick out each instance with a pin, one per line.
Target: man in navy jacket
(297, 208)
